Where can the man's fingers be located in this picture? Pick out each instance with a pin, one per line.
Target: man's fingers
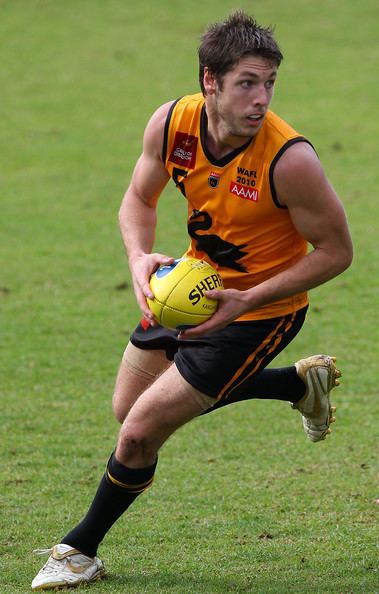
(146, 290)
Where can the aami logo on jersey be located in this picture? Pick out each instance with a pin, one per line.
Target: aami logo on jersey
(244, 191)
(184, 150)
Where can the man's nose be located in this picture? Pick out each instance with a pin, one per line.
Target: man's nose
(261, 96)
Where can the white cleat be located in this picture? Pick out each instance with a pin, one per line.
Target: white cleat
(319, 375)
(67, 567)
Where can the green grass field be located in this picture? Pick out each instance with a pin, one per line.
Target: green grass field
(242, 502)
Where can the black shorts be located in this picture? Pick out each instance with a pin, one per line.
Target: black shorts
(221, 363)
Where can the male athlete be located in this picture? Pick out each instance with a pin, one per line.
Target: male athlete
(257, 196)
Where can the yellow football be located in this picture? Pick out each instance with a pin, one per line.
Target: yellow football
(179, 293)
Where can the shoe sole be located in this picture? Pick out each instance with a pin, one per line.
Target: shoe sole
(333, 375)
(99, 575)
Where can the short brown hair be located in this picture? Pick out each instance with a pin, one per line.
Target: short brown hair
(226, 43)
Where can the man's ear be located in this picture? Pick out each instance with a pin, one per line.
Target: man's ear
(209, 81)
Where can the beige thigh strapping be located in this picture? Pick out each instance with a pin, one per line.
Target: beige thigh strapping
(145, 363)
(151, 363)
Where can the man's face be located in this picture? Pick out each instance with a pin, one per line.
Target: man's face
(241, 101)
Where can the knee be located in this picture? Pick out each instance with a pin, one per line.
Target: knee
(135, 444)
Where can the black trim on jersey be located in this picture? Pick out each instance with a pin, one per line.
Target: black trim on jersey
(274, 162)
(166, 127)
(203, 135)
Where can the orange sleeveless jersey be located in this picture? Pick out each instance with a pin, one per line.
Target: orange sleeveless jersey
(234, 218)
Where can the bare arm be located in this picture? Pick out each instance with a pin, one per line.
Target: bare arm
(137, 215)
(319, 217)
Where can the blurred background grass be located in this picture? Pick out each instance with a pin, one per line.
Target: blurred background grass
(242, 503)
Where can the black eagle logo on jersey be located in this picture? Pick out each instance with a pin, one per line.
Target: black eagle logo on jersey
(220, 251)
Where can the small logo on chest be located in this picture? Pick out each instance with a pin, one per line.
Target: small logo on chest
(214, 179)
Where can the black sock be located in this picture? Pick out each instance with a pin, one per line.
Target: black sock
(280, 383)
(118, 488)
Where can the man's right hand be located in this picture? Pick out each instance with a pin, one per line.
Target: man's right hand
(142, 267)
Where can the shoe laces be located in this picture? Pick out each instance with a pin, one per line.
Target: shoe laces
(42, 551)
(52, 566)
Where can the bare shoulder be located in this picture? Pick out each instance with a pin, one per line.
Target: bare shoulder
(300, 156)
(154, 131)
(299, 173)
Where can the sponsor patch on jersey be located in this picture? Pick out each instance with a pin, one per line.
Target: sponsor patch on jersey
(184, 150)
(244, 191)
(213, 179)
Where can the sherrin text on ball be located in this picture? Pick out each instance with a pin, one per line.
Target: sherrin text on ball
(179, 293)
